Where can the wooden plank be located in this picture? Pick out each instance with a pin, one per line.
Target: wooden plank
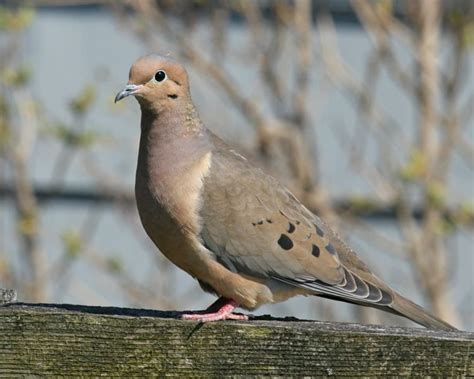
(49, 339)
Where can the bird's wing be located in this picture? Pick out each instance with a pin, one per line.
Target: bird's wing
(256, 227)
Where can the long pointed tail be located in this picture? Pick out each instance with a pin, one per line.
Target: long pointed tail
(414, 312)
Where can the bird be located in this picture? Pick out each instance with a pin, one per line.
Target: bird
(238, 231)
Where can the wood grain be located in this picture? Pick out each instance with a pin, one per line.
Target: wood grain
(69, 340)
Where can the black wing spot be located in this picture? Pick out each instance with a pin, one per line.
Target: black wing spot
(291, 227)
(315, 251)
(254, 224)
(285, 242)
(269, 221)
(260, 222)
(173, 96)
(319, 231)
(330, 248)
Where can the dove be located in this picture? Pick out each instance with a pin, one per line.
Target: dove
(234, 228)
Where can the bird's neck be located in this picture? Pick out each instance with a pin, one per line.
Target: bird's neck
(176, 119)
(172, 139)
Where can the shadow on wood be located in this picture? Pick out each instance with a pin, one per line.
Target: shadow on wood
(73, 340)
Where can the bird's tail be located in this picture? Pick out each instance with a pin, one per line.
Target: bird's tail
(414, 312)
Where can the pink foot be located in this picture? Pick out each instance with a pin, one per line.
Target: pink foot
(223, 312)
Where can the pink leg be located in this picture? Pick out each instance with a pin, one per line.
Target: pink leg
(219, 310)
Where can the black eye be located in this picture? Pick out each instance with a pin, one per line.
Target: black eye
(160, 76)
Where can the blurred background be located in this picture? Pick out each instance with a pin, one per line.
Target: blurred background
(364, 109)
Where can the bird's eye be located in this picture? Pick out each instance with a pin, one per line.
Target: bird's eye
(160, 76)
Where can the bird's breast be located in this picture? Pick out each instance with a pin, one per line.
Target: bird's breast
(169, 202)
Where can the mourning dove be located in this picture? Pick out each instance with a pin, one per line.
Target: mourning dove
(235, 229)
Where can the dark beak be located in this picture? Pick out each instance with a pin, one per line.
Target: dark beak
(129, 89)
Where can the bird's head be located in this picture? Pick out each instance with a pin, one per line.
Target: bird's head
(157, 82)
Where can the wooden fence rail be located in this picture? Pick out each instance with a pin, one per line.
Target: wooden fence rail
(71, 340)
